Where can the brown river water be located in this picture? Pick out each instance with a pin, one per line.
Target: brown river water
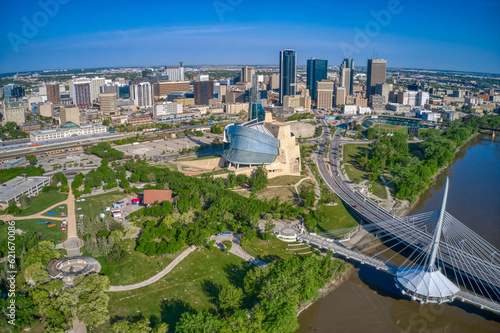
(369, 300)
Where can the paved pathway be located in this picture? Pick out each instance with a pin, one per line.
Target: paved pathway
(237, 250)
(73, 243)
(158, 276)
(78, 326)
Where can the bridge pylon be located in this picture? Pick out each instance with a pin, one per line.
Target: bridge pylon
(426, 283)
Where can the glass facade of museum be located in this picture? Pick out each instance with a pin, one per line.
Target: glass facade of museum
(249, 146)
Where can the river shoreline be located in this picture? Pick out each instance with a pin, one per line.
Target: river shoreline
(434, 177)
(329, 287)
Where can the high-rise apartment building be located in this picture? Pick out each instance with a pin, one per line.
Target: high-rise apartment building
(288, 73)
(340, 95)
(203, 92)
(96, 84)
(274, 82)
(375, 73)
(347, 75)
(167, 108)
(142, 94)
(82, 94)
(13, 111)
(108, 104)
(175, 73)
(325, 95)
(317, 71)
(53, 93)
(70, 113)
(247, 74)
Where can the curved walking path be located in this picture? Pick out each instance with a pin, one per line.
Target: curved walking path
(158, 276)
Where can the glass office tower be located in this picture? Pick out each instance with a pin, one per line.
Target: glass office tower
(288, 73)
(316, 71)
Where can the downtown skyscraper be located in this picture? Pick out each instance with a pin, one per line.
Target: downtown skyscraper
(375, 73)
(316, 71)
(288, 73)
(347, 75)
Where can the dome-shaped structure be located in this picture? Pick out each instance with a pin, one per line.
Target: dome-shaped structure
(69, 125)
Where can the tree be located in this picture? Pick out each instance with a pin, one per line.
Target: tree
(92, 307)
(371, 133)
(230, 298)
(31, 158)
(24, 201)
(106, 122)
(228, 246)
(36, 273)
(125, 326)
(259, 179)
(200, 322)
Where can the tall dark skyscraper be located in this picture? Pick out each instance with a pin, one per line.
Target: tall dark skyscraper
(203, 91)
(316, 71)
(375, 73)
(347, 75)
(288, 73)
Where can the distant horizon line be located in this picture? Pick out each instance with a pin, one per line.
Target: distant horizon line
(239, 65)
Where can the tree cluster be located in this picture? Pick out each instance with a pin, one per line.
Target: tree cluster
(272, 297)
(104, 150)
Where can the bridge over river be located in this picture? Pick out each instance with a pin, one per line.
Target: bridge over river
(432, 256)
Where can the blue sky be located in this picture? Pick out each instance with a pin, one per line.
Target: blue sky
(458, 35)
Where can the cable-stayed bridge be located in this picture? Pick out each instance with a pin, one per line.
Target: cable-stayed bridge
(433, 256)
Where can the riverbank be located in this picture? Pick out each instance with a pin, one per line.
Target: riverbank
(329, 287)
(413, 204)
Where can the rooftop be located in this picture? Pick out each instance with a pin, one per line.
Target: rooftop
(152, 196)
(12, 188)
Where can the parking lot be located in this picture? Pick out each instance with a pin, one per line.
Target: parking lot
(160, 147)
(69, 160)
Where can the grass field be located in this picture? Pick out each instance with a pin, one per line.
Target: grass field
(388, 128)
(58, 211)
(338, 217)
(137, 268)
(351, 153)
(284, 180)
(284, 193)
(53, 234)
(271, 250)
(166, 165)
(43, 201)
(94, 205)
(187, 286)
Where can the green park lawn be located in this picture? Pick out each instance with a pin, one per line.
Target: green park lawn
(269, 250)
(58, 210)
(284, 180)
(186, 286)
(53, 234)
(42, 202)
(94, 205)
(137, 268)
(166, 165)
(338, 217)
(356, 174)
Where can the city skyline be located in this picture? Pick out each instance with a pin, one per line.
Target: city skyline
(239, 32)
